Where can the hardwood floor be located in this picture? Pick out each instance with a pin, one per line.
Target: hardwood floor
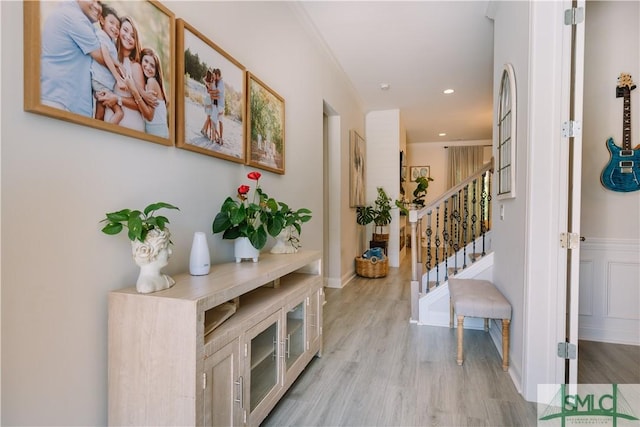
(377, 369)
(605, 363)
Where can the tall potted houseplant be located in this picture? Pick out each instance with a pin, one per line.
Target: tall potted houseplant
(379, 214)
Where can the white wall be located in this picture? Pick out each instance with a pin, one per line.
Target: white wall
(610, 255)
(434, 155)
(527, 255)
(383, 144)
(611, 46)
(58, 180)
(510, 45)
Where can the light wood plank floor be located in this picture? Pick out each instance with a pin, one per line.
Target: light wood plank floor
(379, 370)
(604, 363)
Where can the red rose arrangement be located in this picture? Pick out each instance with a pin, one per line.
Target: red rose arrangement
(258, 218)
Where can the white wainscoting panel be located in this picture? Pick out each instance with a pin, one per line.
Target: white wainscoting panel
(609, 305)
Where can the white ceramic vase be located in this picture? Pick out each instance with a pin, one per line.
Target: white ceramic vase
(243, 249)
(199, 260)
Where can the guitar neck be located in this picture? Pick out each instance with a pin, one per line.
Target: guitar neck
(626, 121)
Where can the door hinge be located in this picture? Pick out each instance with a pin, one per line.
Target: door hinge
(204, 380)
(569, 240)
(574, 16)
(572, 128)
(566, 350)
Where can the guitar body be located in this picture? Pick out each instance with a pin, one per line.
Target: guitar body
(623, 170)
(622, 173)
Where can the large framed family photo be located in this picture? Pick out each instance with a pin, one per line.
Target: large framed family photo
(104, 64)
(211, 97)
(265, 144)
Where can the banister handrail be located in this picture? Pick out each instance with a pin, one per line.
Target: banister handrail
(455, 222)
(453, 190)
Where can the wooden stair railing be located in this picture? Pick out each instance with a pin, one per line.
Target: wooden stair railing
(461, 216)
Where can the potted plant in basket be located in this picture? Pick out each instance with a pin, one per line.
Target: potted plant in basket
(252, 221)
(379, 214)
(150, 240)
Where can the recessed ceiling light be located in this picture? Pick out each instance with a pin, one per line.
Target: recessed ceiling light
(448, 91)
(442, 134)
(384, 86)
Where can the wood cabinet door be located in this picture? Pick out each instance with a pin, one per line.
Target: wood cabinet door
(263, 354)
(223, 393)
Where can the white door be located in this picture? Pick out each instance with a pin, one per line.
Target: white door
(574, 187)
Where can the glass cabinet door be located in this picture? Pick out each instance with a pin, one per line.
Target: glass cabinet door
(264, 353)
(294, 341)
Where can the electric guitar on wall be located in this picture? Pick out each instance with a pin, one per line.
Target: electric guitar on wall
(622, 173)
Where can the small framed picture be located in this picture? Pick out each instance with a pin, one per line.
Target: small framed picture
(265, 134)
(418, 171)
(211, 97)
(107, 65)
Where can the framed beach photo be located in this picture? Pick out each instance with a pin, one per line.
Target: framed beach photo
(265, 134)
(419, 171)
(210, 97)
(107, 65)
(356, 169)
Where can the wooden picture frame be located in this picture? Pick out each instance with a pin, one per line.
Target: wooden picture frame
(419, 171)
(58, 76)
(198, 57)
(265, 127)
(357, 164)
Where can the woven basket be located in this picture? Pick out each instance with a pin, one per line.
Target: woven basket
(372, 268)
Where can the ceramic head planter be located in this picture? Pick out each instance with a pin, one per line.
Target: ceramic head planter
(150, 242)
(151, 255)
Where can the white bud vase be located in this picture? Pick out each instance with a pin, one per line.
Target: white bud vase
(199, 261)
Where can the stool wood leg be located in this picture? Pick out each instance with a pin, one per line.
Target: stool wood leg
(505, 344)
(486, 324)
(460, 338)
(450, 314)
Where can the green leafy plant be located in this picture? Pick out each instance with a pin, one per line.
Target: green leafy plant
(257, 219)
(294, 219)
(419, 193)
(138, 223)
(379, 213)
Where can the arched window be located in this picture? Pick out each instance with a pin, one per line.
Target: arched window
(506, 148)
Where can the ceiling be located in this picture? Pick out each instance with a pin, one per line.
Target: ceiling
(418, 48)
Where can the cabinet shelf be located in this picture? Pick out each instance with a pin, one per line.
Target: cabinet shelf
(292, 286)
(262, 347)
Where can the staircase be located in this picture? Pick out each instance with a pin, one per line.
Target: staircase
(456, 241)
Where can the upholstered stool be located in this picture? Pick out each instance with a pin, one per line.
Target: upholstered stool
(479, 298)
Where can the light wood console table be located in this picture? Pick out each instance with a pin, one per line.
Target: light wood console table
(164, 370)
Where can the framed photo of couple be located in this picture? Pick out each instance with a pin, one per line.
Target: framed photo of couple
(210, 97)
(109, 66)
